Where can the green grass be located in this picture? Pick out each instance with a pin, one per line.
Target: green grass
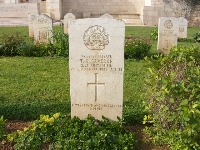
(139, 31)
(192, 31)
(33, 86)
(134, 31)
(144, 31)
(30, 86)
(21, 30)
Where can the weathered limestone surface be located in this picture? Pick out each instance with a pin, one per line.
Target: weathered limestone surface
(18, 10)
(100, 7)
(183, 25)
(43, 29)
(153, 9)
(67, 18)
(55, 8)
(106, 15)
(168, 28)
(96, 59)
(31, 18)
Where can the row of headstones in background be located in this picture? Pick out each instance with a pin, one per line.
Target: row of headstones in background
(169, 30)
(70, 17)
(41, 28)
(96, 63)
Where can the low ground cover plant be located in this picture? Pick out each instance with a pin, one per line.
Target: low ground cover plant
(61, 132)
(174, 99)
(10, 44)
(197, 37)
(154, 34)
(2, 127)
(137, 48)
(186, 40)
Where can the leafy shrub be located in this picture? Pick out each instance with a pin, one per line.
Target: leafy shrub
(185, 40)
(61, 44)
(197, 37)
(62, 132)
(133, 112)
(2, 127)
(25, 48)
(154, 34)
(10, 44)
(137, 48)
(174, 99)
(19, 45)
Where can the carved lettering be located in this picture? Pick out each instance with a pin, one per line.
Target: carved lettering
(97, 107)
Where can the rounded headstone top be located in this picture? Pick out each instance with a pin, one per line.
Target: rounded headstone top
(106, 15)
(69, 16)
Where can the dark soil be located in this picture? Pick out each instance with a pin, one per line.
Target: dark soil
(12, 126)
(144, 142)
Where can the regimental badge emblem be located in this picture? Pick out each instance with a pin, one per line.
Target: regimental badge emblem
(96, 38)
(168, 24)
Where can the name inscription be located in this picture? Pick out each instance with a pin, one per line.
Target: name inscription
(168, 33)
(97, 63)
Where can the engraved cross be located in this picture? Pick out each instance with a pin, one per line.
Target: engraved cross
(96, 84)
(168, 43)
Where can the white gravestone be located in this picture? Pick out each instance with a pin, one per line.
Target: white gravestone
(106, 15)
(31, 18)
(167, 34)
(67, 18)
(43, 29)
(183, 25)
(96, 60)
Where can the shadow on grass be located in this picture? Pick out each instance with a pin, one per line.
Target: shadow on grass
(26, 110)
